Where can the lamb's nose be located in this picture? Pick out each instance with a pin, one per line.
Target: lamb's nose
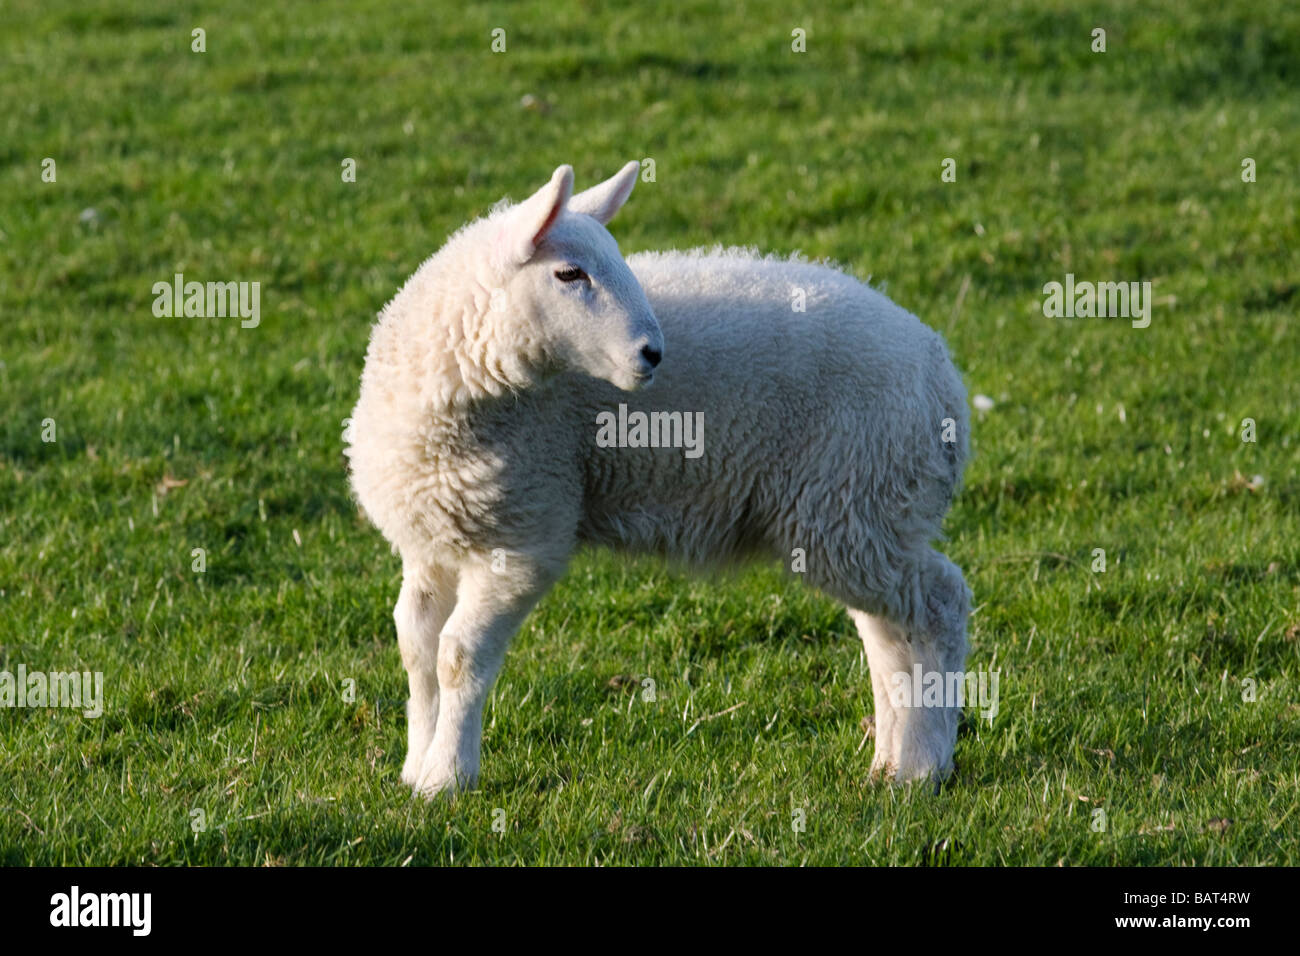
(651, 355)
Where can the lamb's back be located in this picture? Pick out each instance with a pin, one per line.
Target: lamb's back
(797, 405)
(783, 336)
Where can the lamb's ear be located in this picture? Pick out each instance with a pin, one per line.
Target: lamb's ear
(601, 202)
(526, 225)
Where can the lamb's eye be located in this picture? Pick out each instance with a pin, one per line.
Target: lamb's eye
(572, 274)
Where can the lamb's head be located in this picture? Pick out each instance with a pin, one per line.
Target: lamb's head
(565, 283)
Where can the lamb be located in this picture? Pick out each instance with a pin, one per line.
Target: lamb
(837, 433)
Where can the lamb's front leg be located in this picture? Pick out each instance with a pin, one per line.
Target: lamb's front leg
(490, 606)
(426, 601)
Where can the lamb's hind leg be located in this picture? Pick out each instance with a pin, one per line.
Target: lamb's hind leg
(886, 654)
(426, 601)
(918, 645)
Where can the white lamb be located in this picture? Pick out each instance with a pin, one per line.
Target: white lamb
(840, 430)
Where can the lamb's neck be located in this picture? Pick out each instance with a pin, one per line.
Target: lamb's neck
(455, 351)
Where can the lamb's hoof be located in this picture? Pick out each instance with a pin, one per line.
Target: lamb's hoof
(444, 783)
(411, 771)
(881, 771)
(928, 774)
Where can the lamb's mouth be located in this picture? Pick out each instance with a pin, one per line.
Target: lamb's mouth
(635, 379)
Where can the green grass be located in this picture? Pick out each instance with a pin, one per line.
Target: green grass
(1120, 691)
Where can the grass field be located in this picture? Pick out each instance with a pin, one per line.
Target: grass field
(225, 690)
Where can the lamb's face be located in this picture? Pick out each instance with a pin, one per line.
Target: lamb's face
(592, 313)
(568, 285)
